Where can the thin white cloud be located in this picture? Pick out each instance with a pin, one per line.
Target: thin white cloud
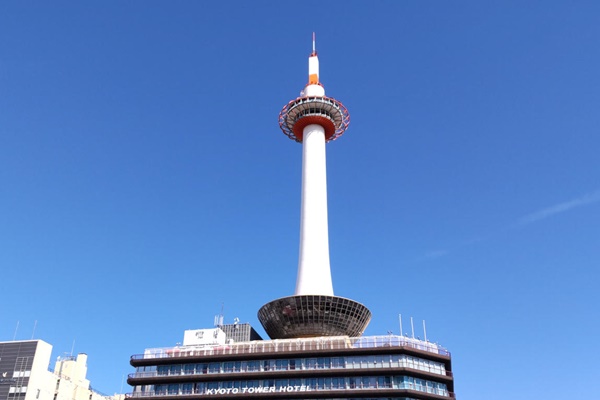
(585, 200)
(436, 254)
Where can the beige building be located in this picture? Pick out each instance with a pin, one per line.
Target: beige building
(24, 374)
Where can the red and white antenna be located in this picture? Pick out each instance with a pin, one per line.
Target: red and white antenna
(313, 88)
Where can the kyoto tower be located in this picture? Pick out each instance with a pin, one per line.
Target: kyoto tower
(313, 120)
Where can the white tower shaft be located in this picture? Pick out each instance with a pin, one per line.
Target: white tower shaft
(314, 271)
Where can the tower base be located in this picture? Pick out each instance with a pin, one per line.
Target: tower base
(313, 316)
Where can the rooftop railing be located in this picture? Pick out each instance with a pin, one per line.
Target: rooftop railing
(294, 345)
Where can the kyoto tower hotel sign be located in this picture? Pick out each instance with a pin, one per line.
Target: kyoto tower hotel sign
(313, 120)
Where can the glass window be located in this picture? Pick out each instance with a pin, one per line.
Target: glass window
(173, 388)
(338, 362)
(253, 366)
(366, 382)
(187, 388)
(279, 383)
(323, 363)
(371, 362)
(188, 369)
(228, 367)
(295, 382)
(227, 384)
(163, 370)
(281, 365)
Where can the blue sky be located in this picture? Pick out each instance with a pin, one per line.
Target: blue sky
(145, 184)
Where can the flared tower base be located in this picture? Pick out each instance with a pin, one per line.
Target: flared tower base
(313, 316)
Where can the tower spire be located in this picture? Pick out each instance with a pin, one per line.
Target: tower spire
(314, 88)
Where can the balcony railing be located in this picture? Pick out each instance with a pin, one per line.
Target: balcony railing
(295, 345)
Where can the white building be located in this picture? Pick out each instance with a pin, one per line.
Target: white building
(24, 374)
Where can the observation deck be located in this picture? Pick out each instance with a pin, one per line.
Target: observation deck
(303, 111)
(303, 316)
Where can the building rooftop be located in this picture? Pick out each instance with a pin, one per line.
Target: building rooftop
(319, 344)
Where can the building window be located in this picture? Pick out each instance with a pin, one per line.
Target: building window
(317, 384)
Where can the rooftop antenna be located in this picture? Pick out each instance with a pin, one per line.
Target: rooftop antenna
(34, 326)
(424, 330)
(16, 329)
(412, 327)
(400, 319)
(314, 52)
(219, 318)
(72, 347)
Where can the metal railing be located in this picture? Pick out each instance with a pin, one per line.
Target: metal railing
(294, 345)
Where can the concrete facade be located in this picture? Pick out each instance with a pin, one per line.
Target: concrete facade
(24, 374)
